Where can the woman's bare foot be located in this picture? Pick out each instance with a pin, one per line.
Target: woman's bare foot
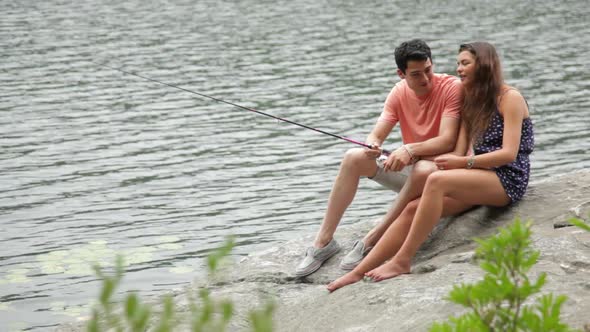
(347, 279)
(389, 270)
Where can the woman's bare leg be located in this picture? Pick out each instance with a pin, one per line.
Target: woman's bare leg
(410, 191)
(450, 207)
(468, 187)
(390, 242)
(385, 248)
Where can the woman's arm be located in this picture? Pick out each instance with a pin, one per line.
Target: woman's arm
(514, 110)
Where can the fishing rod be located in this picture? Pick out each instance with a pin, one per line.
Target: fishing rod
(370, 146)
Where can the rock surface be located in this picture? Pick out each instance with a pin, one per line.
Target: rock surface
(413, 302)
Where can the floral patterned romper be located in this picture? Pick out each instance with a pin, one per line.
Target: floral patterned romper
(514, 176)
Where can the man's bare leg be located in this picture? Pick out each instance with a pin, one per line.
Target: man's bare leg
(355, 164)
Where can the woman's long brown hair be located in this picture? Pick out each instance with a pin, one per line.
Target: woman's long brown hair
(481, 95)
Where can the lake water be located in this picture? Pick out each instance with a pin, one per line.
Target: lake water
(95, 162)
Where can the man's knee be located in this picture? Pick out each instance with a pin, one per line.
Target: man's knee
(422, 169)
(353, 155)
(356, 158)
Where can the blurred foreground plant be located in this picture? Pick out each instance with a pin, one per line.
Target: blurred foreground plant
(207, 314)
(497, 301)
(580, 223)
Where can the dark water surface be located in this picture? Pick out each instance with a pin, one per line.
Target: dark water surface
(95, 163)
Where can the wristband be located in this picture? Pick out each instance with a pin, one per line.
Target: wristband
(470, 162)
(408, 149)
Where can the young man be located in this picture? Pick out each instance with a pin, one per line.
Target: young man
(427, 107)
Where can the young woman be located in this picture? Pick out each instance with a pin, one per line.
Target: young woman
(496, 124)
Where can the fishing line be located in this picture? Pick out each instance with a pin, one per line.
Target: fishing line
(385, 152)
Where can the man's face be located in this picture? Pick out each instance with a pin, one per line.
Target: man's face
(418, 76)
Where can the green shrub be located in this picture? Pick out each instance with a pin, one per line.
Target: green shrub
(206, 314)
(497, 301)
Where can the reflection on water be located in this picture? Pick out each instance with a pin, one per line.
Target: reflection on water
(95, 163)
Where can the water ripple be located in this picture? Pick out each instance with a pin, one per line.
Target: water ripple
(96, 162)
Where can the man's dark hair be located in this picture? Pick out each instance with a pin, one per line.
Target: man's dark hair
(415, 49)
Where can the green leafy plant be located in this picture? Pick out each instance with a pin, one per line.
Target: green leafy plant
(497, 301)
(206, 313)
(580, 223)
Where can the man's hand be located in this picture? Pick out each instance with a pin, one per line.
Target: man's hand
(374, 152)
(397, 160)
(450, 161)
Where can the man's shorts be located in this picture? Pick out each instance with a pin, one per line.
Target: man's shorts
(392, 180)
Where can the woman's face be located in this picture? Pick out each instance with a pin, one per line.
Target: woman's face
(466, 67)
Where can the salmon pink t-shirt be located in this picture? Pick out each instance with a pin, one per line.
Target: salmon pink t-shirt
(419, 117)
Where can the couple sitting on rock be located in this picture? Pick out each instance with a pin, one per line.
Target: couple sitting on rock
(466, 142)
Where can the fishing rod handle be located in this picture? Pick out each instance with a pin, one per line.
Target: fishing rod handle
(383, 151)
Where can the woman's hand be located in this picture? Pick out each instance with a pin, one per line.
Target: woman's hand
(450, 161)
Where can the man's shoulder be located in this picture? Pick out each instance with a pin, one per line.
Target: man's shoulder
(401, 85)
(447, 86)
(399, 90)
(446, 80)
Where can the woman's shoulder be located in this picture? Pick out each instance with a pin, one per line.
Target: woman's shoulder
(511, 99)
(510, 92)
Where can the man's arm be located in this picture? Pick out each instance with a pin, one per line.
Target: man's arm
(379, 133)
(462, 147)
(443, 143)
(428, 149)
(377, 137)
(449, 126)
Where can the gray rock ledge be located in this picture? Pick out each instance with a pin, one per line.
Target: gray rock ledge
(413, 302)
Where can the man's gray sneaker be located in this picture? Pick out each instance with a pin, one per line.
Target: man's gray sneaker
(314, 258)
(355, 256)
